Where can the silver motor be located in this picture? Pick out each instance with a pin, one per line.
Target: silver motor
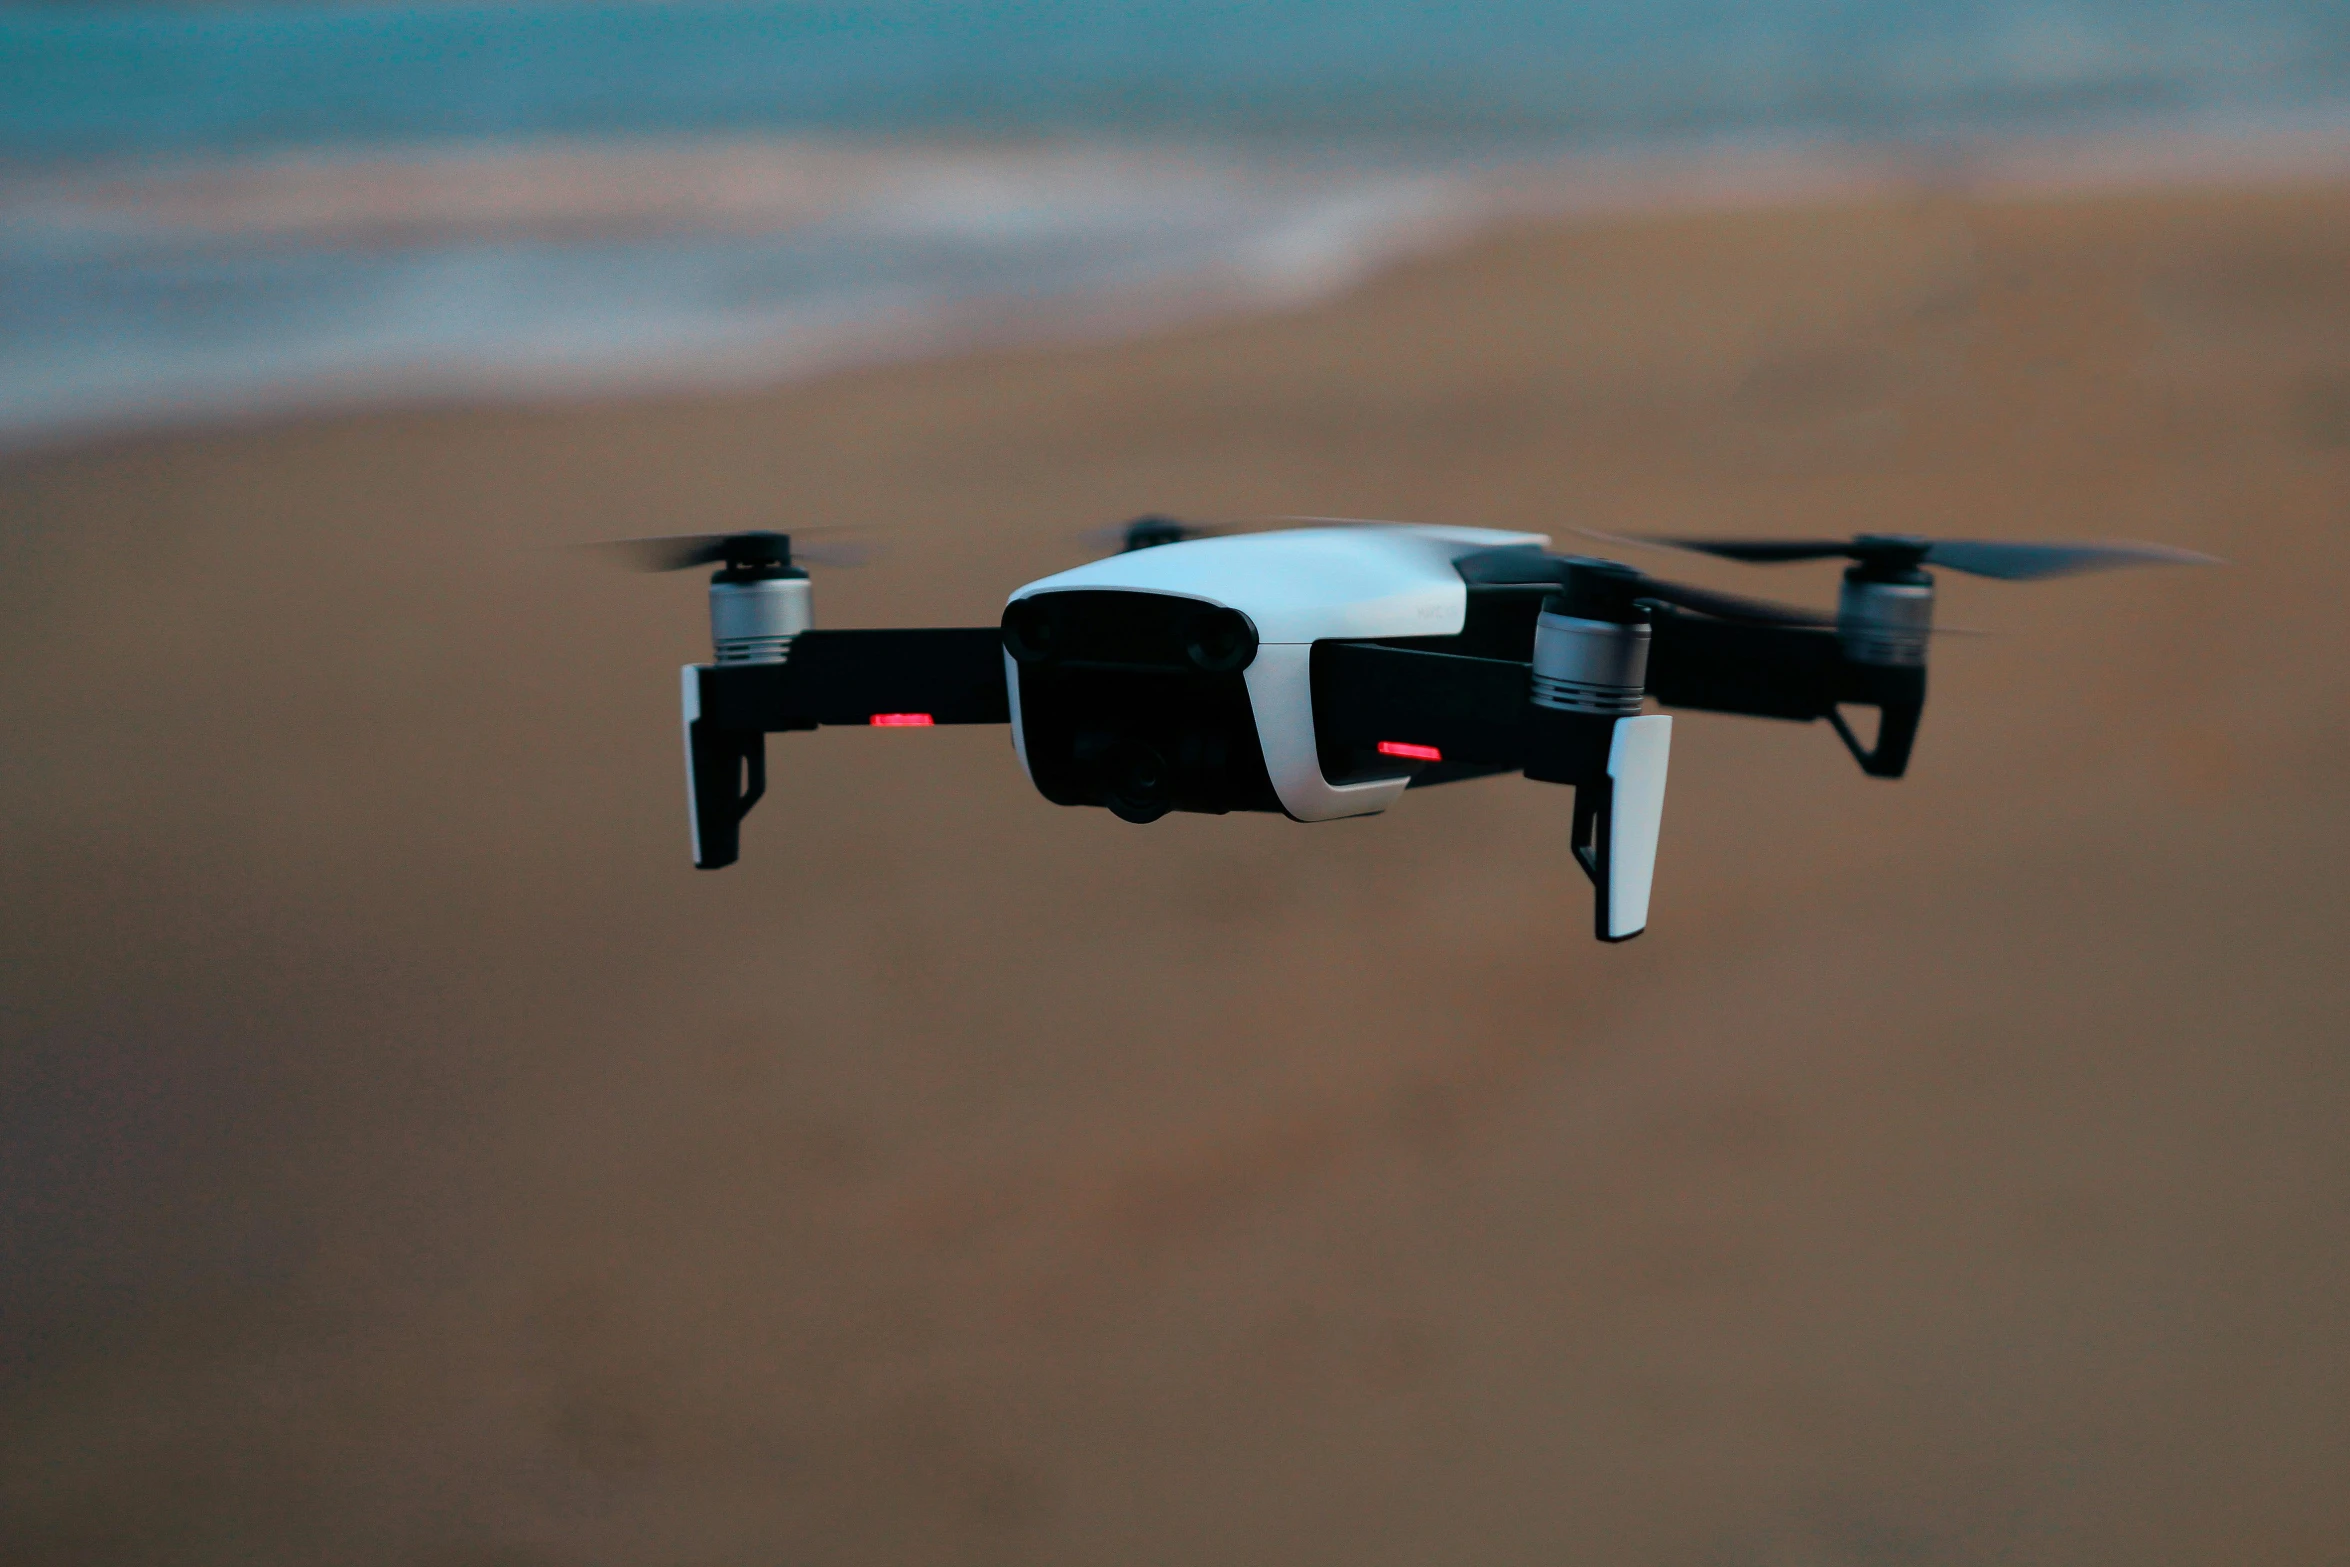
(1885, 623)
(1589, 666)
(755, 611)
(759, 600)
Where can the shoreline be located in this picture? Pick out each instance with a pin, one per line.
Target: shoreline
(1349, 221)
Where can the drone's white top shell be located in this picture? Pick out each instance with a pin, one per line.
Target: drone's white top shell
(1297, 587)
(1305, 584)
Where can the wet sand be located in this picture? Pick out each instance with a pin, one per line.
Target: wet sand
(408, 1158)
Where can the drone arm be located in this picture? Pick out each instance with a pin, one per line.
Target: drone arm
(912, 678)
(953, 675)
(1725, 667)
(1786, 672)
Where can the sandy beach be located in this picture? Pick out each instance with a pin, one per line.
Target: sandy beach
(405, 1157)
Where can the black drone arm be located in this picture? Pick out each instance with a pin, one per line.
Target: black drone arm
(1788, 672)
(1472, 710)
(952, 675)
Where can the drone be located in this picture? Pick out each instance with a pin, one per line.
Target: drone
(1321, 671)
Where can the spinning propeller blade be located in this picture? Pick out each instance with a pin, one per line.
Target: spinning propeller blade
(2009, 561)
(683, 551)
(1731, 606)
(1148, 533)
(1705, 601)
(2030, 562)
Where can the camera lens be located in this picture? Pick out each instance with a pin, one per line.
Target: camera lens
(1139, 782)
(1219, 641)
(1029, 631)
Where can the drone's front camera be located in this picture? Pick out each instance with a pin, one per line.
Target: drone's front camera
(1029, 631)
(1219, 641)
(1139, 782)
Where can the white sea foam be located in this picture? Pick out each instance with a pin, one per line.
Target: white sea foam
(293, 283)
(290, 284)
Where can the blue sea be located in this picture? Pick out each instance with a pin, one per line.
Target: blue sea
(219, 210)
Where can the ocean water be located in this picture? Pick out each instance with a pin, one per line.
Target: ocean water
(212, 210)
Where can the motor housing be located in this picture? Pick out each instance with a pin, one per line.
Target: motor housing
(1885, 616)
(756, 610)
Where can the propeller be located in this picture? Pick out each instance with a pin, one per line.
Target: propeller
(684, 551)
(1762, 612)
(2009, 561)
(1531, 566)
(1152, 531)
(1730, 606)
(1148, 533)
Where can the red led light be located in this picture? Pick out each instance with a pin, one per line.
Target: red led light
(902, 720)
(1416, 753)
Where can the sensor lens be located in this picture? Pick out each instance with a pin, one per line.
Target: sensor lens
(1219, 641)
(1029, 631)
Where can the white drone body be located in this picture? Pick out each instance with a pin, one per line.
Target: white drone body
(1302, 586)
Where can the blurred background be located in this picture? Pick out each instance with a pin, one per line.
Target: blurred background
(406, 1157)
